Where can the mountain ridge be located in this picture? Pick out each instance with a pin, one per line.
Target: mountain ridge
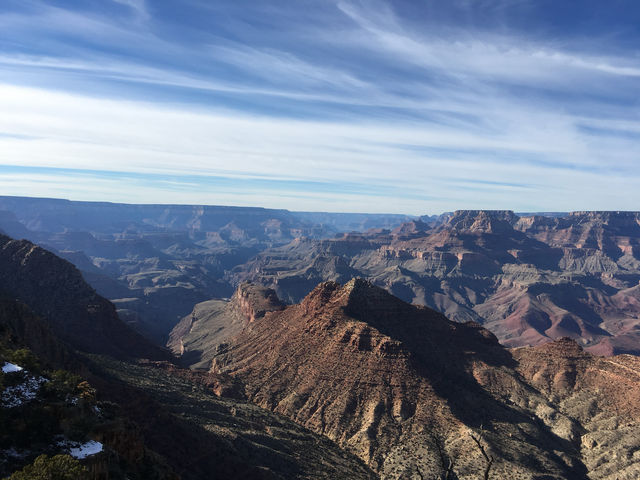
(386, 379)
(151, 419)
(528, 279)
(56, 291)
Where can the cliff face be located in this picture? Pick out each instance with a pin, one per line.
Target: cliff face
(154, 262)
(489, 221)
(390, 381)
(601, 395)
(527, 279)
(613, 233)
(154, 421)
(212, 324)
(254, 302)
(55, 290)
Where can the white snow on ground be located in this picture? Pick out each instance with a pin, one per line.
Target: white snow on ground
(25, 392)
(86, 449)
(11, 367)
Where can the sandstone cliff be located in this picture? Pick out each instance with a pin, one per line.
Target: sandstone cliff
(392, 382)
(527, 279)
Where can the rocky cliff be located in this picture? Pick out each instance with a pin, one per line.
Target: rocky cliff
(156, 261)
(55, 290)
(528, 279)
(397, 383)
(212, 324)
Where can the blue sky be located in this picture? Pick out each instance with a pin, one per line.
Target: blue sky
(399, 106)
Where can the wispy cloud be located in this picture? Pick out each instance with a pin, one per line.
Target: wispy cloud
(355, 97)
(136, 139)
(476, 55)
(138, 6)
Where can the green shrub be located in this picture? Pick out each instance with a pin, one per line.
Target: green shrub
(58, 467)
(87, 392)
(62, 384)
(26, 359)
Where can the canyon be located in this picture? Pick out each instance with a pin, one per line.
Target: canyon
(467, 344)
(527, 279)
(407, 390)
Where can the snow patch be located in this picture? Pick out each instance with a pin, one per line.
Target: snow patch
(25, 392)
(86, 449)
(11, 367)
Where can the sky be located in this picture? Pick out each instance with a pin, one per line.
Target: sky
(412, 106)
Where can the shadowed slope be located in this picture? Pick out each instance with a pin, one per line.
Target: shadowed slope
(382, 378)
(55, 290)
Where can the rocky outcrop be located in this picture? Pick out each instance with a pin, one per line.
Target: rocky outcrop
(55, 290)
(411, 229)
(488, 221)
(255, 301)
(528, 279)
(390, 381)
(212, 324)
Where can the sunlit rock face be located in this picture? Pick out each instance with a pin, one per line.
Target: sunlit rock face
(528, 279)
(386, 379)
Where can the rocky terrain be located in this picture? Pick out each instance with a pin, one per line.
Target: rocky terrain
(352, 382)
(416, 395)
(527, 279)
(154, 262)
(215, 322)
(148, 420)
(203, 436)
(601, 397)
(119, 409)
(54, 289)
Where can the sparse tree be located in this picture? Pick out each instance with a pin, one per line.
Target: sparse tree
(446, 462)
(26, 359)
(481, 444)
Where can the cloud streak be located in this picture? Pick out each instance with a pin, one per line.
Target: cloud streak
(362, 98)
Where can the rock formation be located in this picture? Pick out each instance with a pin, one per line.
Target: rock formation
(527, 279)
(395, 383)
(55, 290)
(154, 262)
